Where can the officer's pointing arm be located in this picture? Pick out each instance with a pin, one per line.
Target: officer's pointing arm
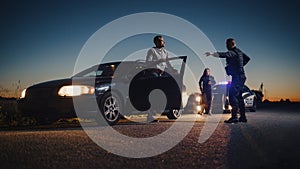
(214, 54)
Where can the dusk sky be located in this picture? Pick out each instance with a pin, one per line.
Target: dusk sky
(41, 40)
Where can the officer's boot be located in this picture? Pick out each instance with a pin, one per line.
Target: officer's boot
(233, 118)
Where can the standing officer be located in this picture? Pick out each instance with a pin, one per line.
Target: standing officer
(235, 62)
(205, 83)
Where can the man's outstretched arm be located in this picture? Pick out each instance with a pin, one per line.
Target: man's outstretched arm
(214, 54)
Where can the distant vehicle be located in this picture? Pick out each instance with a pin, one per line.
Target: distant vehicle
(249, 97)
(50, 101)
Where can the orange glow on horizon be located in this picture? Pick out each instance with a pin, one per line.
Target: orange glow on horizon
(277, 99)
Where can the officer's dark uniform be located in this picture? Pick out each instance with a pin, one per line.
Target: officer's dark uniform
(236, 60)
(205, 88)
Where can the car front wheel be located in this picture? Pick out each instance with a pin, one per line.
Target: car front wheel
(110, 107)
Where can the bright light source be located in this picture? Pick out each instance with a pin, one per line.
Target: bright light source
(23, 94)
(198, 98)
(75, 90)
(224, 83)
(198, 108)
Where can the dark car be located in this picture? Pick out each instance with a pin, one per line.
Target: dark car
(222, 91)
(118, 89)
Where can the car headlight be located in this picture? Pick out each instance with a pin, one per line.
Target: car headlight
(23, 94)
(75, 90)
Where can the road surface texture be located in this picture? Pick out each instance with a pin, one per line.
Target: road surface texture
(270, 139)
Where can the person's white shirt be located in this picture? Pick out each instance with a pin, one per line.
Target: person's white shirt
(155, 54)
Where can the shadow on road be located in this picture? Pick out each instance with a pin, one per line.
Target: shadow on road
(269, 140)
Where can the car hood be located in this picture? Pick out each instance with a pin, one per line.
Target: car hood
(69, 81)
(53, 83)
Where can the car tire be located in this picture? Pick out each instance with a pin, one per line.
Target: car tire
(173, 114)
(110, 107)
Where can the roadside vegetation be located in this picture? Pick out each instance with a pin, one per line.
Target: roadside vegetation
(10, 115)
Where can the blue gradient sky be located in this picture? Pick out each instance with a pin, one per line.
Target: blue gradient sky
(40, 41)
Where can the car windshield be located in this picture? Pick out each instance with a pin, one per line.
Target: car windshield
(106, 70)
(221, 88)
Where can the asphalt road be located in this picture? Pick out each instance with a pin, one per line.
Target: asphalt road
(270, 139)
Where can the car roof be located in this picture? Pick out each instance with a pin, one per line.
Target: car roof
(108, 64)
